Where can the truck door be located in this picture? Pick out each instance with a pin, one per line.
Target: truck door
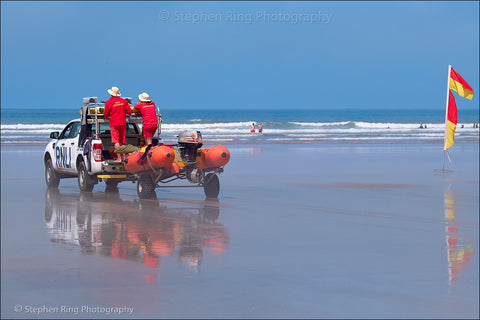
(66, 148)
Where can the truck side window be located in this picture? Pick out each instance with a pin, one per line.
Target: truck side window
(71, 131)
(66, 132)
(75, 130)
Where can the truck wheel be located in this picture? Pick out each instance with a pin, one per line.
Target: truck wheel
(145, 187)
(51, 177)
(85, 181)
(211, 186)
(112, 186)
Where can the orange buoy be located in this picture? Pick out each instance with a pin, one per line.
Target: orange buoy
(131, 162)
(214, 157)
(161, 157)
(156, 157)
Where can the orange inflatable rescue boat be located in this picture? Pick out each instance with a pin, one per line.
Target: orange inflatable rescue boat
(148, 158)
(213, 157)
(185, 160)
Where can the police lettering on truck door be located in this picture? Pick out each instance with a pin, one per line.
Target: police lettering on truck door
(63, 156)
(67, 146)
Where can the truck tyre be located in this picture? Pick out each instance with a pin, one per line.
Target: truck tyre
(211, 185)
(85, 181)
(51, 177)
(145, 187)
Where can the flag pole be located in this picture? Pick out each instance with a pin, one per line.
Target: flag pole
(446, 117)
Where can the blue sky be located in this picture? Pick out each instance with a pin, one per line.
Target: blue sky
(239, 54)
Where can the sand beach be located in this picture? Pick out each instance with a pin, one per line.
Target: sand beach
(338, 208)
(299, 231)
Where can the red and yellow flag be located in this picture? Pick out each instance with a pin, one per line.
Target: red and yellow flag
(451, 121)
(460, 86)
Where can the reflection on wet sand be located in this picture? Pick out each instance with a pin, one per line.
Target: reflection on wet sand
(138, 230)
(254, 151)
(459, 249)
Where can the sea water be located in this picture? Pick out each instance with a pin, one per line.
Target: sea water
(33, 126)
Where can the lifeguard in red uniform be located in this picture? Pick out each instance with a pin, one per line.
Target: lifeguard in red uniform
(116, 109)
(149, 116)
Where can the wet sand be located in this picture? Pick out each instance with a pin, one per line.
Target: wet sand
(299, 231)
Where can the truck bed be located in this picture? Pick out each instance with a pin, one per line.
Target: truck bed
(108, 145)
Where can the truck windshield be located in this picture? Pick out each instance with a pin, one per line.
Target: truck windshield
(105, 128)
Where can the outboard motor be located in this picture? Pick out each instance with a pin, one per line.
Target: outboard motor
(188, 144)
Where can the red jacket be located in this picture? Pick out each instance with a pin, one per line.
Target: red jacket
(117, 108)
(149, 116)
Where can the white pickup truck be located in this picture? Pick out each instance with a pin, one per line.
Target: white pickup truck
(83, 149)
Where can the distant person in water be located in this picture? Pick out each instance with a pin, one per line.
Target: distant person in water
(260, 128)
(421, 126)
(252, 128)
(425, 126)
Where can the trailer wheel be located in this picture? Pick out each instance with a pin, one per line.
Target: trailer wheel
(85, 181)
(211, 186)
(112, 186)
(51, 177)
(145, 187)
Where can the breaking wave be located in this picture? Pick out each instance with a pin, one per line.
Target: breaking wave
(274, 131)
